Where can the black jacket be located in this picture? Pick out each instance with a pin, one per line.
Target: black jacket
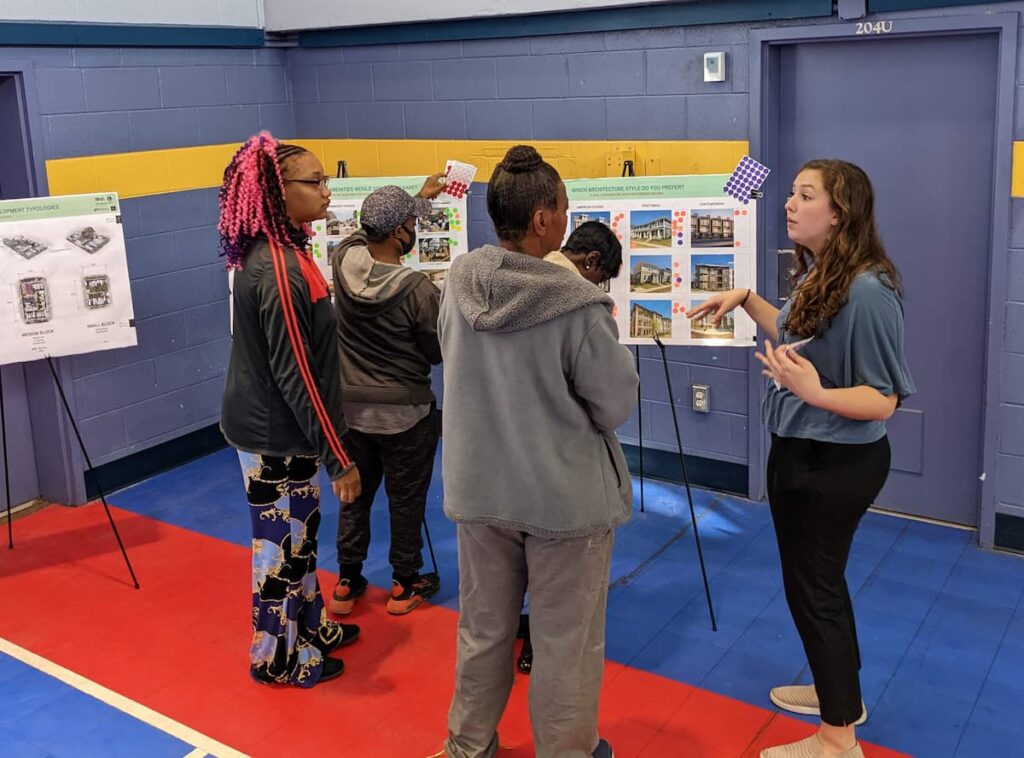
(283, 393)
(387, 328)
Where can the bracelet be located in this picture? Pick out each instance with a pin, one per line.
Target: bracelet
(744, 300)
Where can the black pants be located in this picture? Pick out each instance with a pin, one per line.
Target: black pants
(405, 462)
(818, 492)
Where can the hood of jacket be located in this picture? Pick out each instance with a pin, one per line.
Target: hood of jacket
(500, 290)
(368, 287)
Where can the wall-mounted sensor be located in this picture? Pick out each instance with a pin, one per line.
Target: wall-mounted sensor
(714, 67)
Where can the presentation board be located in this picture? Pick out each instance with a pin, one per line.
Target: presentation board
(683, 241)
(440, 237)
(64, 275)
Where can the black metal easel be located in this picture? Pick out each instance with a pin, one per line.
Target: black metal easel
(686, 482)
(88, 463)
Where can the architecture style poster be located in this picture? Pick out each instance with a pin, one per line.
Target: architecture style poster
(64, 273)
(440, 237)
(683, 241)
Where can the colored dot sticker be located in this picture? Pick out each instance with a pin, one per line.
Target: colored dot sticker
(737, 243)
(676, 264)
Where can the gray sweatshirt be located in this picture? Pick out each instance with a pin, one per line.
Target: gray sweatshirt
(535, 385)
(387, 328)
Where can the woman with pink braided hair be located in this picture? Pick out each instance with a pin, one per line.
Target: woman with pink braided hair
(282, 402)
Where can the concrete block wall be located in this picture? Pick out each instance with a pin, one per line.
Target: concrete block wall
(595, 86)
(109, 100)
(1010, 465)
(614, 85)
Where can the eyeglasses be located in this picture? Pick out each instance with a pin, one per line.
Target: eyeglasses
(320, 183)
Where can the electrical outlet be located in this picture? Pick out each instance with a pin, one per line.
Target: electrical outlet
(701, 398)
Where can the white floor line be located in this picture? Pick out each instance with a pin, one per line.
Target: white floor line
(203, 745)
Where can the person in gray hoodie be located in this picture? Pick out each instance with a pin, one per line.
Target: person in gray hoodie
(387, 340)
(535, 385)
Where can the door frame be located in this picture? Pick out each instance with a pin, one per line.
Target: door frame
(59, 462)
(765, 55)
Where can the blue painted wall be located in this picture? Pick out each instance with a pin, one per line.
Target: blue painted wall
(109, 100)
(614, 85)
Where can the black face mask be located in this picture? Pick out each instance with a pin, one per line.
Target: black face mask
(408, 244)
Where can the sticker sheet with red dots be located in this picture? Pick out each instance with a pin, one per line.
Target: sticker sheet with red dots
(459, 178)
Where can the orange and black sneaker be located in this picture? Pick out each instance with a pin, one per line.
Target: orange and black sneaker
(405, 596)
(346, 593)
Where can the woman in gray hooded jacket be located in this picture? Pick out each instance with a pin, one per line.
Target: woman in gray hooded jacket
(535, 385)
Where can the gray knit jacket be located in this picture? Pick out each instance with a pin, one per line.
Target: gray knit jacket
(535, 385)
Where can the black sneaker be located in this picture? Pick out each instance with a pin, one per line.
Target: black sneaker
(346, 593)
(331, 636)
(603, 750)
(405, 597)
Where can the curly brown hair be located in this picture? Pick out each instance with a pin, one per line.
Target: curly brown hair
(852, 248)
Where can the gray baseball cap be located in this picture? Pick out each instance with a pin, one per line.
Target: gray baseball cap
(387, 208)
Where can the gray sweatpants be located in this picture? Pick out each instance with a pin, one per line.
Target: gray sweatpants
(568, 583)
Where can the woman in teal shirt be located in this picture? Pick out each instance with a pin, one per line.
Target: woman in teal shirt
(834, 358)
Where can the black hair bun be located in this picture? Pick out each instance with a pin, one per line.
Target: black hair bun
(521, 159)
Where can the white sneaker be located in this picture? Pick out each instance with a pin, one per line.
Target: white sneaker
(808, 748)
(803, 698)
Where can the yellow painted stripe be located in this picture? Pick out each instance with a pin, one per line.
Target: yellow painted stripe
(158, 172)
(1017, 185)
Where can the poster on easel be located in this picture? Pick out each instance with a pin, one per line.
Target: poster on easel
(64, 277)
(440, 237)
(683, 240)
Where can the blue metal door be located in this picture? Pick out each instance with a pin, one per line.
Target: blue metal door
(918, 114)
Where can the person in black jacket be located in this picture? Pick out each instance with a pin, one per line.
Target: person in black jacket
(387, 337)
(282, 402)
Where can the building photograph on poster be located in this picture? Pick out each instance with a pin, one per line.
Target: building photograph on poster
(648, 318)
(650, 273)
(437, 277)
(342, 223)
(649, 229)
(581, 217)
(435, 250)
(712, 228)
(703, 329)
(712, 273)
(437, 221)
